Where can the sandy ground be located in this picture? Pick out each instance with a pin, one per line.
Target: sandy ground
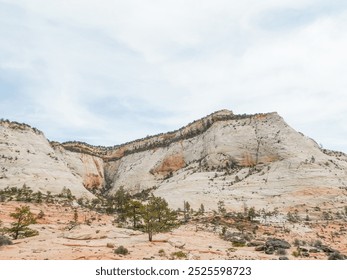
(99, 238)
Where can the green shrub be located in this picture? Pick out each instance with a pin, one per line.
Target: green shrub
(239, 243)
(161, 253)
(296, 254)
(179, 255)
(5, 241)
(121, 250)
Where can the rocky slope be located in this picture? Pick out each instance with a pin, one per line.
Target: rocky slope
(253, 160)
(27, 158)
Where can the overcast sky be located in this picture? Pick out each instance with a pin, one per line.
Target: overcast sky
(109, 71)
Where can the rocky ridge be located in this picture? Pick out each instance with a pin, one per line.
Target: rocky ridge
(257, 160)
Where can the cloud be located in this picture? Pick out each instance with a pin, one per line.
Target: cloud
(107, 71)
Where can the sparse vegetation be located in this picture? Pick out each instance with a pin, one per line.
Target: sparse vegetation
(4, 241)
(26, 194)
(201, 210)
(40, 215)
(293, 217)
(74, 222)
(179, 255)
(162, 253)
(121, 250)
(251, 214)
(238, 243)
(296, 254)
(221, 208)
(152, 215)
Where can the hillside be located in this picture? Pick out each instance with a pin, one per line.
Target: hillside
(254, 160)
(256, 189)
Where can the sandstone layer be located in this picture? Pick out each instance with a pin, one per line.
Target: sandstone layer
(254, 160)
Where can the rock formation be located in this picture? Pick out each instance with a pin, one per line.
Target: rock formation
(244, 160)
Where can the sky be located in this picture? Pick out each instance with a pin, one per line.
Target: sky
(110, 71)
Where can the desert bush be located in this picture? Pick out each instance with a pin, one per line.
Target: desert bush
(74, 223)
(179, 255)
(162, 253)
(5, 241)
(239, 243)
(121, 250)
(293, 217)
(296, 254)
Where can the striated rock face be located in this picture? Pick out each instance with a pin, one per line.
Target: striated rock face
(26, 157)
(169, 164)
(89, 169)
(253, 160)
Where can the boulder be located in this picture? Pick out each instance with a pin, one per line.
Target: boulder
(277, 243)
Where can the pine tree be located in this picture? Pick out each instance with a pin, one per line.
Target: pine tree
(251, 214)
(201, 210)
(20, 228)
(134, 212)
(157, 216)
(186, 211)
(121, 199)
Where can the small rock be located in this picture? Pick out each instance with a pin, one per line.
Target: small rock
(110, 245)
(314, 250)
(255, 243)
(303, 249)
(260, 248)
